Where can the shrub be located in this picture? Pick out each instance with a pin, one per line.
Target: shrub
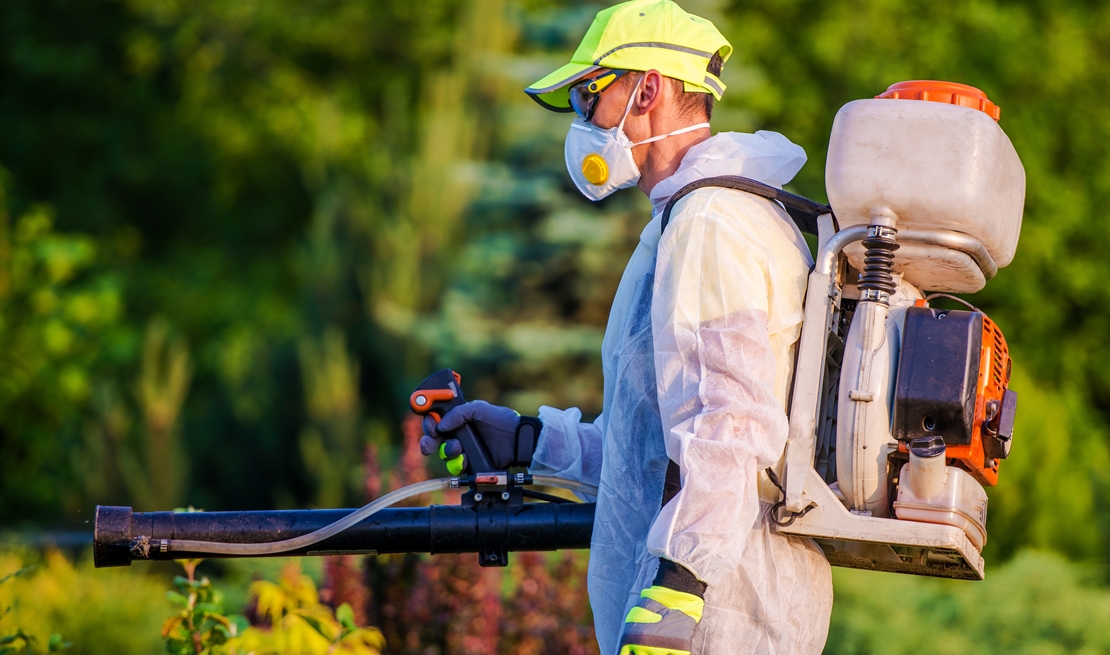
(1038, 604)
(98, 610)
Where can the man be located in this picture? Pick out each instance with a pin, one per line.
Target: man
(698, 357)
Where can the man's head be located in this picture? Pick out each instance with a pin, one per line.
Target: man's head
(685, 106)
(644, 35)
(652, 69)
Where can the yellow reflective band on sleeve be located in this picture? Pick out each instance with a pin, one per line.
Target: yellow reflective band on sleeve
(456, 465)
(688, 604)
(642, 615)
(632, 649)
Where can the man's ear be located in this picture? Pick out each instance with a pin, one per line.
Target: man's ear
(650, 93)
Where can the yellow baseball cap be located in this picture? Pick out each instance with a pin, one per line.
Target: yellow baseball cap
(640, 35)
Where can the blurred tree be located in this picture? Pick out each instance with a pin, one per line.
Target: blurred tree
(164, 375)
(328, 444)
(244, 159)
(61, 320)
(523, 314)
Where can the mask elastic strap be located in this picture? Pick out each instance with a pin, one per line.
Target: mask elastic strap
(628, 109)
(684, 130)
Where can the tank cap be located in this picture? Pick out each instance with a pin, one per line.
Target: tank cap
(927, 447)
(951, 93)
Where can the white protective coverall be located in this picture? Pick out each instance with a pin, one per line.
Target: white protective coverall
(698, 358)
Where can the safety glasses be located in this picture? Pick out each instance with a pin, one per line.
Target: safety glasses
(585, 95)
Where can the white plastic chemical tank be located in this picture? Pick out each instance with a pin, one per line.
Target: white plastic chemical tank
(932, 156)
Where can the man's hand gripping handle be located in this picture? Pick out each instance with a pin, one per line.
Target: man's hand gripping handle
(438, 394)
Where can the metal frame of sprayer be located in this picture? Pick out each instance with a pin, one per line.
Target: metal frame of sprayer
(809, 506)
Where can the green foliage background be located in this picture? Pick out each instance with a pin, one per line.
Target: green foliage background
(234, 234)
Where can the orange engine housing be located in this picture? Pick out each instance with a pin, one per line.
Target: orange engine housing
(994, 379)
(980, 457)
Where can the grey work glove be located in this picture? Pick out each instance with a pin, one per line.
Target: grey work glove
(667, 614)
(509, 437)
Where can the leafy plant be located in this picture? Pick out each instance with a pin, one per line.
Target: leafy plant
(23, 643)
(19, 642)
(99, 610)
(200, 625)
(292, 620)
(299, 623)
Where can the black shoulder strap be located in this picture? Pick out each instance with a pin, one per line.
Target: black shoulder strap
(803, 210)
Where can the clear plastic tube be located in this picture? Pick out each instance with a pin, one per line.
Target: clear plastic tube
(272, 547)
(352, 519)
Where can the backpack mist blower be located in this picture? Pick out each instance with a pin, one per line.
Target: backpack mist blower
(900, 413)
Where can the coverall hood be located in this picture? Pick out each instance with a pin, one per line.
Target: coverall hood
(766, 157)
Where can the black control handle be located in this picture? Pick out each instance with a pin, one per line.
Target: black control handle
(438, 394)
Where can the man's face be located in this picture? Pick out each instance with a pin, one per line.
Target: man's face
(652, 112)
(613, 100)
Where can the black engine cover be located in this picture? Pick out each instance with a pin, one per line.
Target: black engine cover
(938, 371)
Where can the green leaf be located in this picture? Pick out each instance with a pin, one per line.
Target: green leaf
(183, 584)
(18, 574)
(346, 616)
(214, 637)
(177, 599)
(240, 622)
(56, 644)
(209, 608)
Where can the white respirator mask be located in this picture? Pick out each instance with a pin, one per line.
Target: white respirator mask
(600, 161)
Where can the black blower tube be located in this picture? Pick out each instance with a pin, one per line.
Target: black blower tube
(117, 538)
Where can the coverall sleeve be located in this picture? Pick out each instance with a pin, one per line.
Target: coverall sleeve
(716, 371)
(567, 447)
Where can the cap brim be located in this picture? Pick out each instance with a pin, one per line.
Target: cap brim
(553, 91)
